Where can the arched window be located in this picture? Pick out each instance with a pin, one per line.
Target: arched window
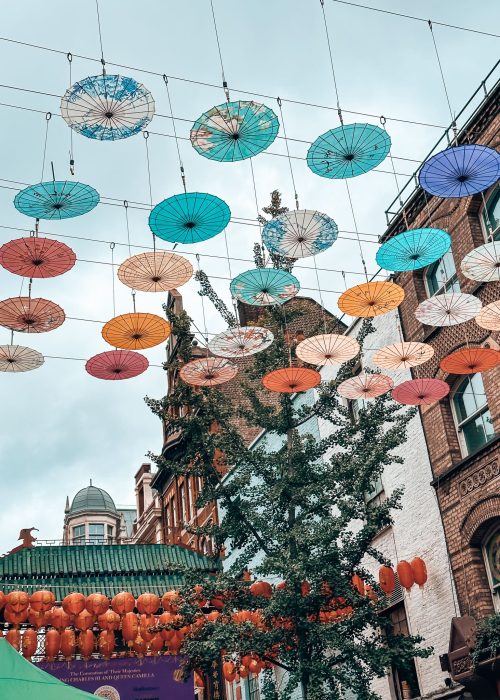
(491, 553)
(472, 414)
(441, 276)
(490, 215)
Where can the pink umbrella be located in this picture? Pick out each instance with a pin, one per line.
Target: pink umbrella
(365, 386)
(208, 371)
(30, 315)
(36, 257)
(117, 364)
(489, 316)
(448, 309)
(483, 264)
(327, 349)
(418, 392)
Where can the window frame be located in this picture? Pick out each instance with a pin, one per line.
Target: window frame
(95, 538)
(460, 423)
(495, 233)
(78, 539)
(447, 284)
(494, 588)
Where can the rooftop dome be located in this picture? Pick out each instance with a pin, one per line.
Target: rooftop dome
(92, 499)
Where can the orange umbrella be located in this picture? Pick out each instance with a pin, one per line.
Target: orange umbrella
(30, 315)
(290, 380)
(365, 386)
(208, 371)
(470, 361)
(327, 349)
(155, 272)
(489, 316)
(403, 355)
(136, 331)
(371, 299)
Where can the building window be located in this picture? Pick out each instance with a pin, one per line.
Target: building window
(490, 216)
(110, 533)
(79, 534)
(182, 505)
(253, 688)
(491, 553)
(376, 496)
(473, 417)
(404, 680)
(441, 276)
(174, 512)
(96, 533)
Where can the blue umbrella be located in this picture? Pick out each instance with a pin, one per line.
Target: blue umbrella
(413, 249)
(234, 131)
(56, 200)
(460, 171)
(264, 286)
(297, 234)
(189, 218)
(348, 151)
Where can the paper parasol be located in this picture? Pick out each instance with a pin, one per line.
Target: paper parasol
(413, 249)
(291, 380)
(348, 151)
(470, 361)
(371, 299)
(28, 315)
(234, 131)
(56, 200)
(420, 392)
(460, 171)
(365, 386)
(403, 355)
(36, 257)
(208, 371)
(155, 272)
(17, 358)
(489, 316)
(117, 364)
(136, 331)
(297, 234)
(327, 349)
(264, 286)
(483, 264)
(448, 309)
(107, 107)
(189, 218)
(241, 341)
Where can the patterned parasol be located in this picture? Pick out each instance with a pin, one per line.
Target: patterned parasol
(107, 107)
(291, 380)
(470, 361)
(483, 264)
(189, 218)
(413, 249)
(348, 151)
(28, 315)
(56, 200)
(448, 309)
(297, 234)
(264, 286)
(403, 355)
(460, 171)
(241, 341)
(371, 299)
(420, 392)
(327, 349)
(489, 316)
(208, 371)
(234, 131)
(117, 364)
(365, 386)
(17, 358)
(36, 257)
(136, 331)
(155, 272)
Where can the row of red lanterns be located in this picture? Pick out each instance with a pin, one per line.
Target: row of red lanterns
(409, 574)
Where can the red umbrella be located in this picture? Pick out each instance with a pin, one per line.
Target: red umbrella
(470, 360)
(30, 315)
(117, 364)
(36, 257)
(418, 392)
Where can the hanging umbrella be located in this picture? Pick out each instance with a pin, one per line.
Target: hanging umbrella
(403, 355)
(448, 309)
(241, 341)
(470, 360)
(56, 200)
(420, 392)
(28, 315)
(17, 358)
(297, 234)
(208, 371)
(365, 386)
(189, 218)
(291, 380)
(489, 316)
(155, 272)
(460, 171)
(264, 286)
(327, 349)
(371, 299)
(348, 151)
(107, 107)
(136, 331)
(117, 364)
(413, 249)
(36, 257)
(483, 264)
(234, 131)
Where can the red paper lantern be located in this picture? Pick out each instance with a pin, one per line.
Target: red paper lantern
(229, 671)
(97, 603)
(68, 643)
(175, 643)
(145, 622)
(15, 617)
(29, 643)
(419, 571)
(110, 620)
(84, 620)
(130, 627)
(140, 646)
(387, 579)
(123, 603)
(17, 600)
(86, 643)
(148, 603)
(59, 619)
(13, 636)
(2, 599)
(52, 644)
(74, 603)
(261, 589)
(38, 619)
(106, 643)
(170, 601)
(358, 584)
(405, 574)
(41, 601)
(156, 644)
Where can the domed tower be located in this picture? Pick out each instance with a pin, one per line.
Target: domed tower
(93, 518)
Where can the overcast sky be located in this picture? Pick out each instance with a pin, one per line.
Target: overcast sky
(60, 426)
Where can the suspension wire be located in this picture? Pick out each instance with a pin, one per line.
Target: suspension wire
(133, 300)
(356, 228)
(288, 155)
(224, 81)
(383, 121)
(181, 166)
(48, 117)
(103, 62)
(452, 115)
(125, 206)
(203, 307)
(320, 293)
(112, 248)
(146, 137)
(257, 207)
(69, 56)
(339, 111)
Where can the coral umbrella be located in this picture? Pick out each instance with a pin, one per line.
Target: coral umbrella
(327, 349)
(190, 217)
(403, 355)
(155, 272)
(241, 341)
(136, 331)
(483, 264)
(371, 299)
(413, 249)
(117, 364)
(29, 315)
(56, 200)
(489, 316)
(460, 171)
(291, 380)
(208, 371)
(36, 257)
(448, 309)
(264, 286)
(365, 386)
(470, 360)
(18, 358)
(299, 233)
(420, 392)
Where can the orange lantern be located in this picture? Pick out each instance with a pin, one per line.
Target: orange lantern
(255, 666)
(261, 589)
(246, 660)
(52, 644)
(74, 603)
(243, 671)
(123, 603)
(41, 601)
(84, 620)
(38, 619)
(229, 671)
(145, 622)
(13, 636)
(148, 603)
(86, 643)
(217, 602)
(170, 601)
(387, 579)
(213, 616)
(198, 680)
(175, 643)
(59, 619)
(2, 599)
(130, 627)
(140, 645)
(17, 600)
(29, 643)
(68, 643)
(305, 588)
(97, 603)
(156, 644)
(419, 570)
(110, 620)
(106, 643)
(15, 617)
(405, 574)
(358, 584)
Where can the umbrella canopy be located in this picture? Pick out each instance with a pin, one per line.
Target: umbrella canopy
(58, 199)
(403, 355)
(29, 315)
(264, 286)
(365, 386)
(136, 331)
(460, 171)
(189, 218)
(413, 249)
(155, 272)
(291, 380)
(327, 349)
(117, 364)
(371, 299)
(420, 392)
(348, 151)
(470, 361)
(297, 234)
(36, 257)
(483, 264)
(489, 316)
(208, 371)
(234, 131)
(241, 341)
(17, 358)
(448, 309)
(107, 107)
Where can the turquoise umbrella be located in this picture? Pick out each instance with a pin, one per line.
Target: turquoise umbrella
(413, 249)
(264, 286)
(56, 200)
(189, 218)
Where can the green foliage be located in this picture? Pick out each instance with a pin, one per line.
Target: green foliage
(487, 639)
